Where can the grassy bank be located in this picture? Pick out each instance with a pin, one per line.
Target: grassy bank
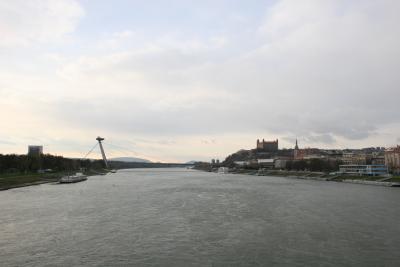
(394, 179)
(9, 181)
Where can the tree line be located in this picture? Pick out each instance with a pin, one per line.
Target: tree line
(314, 165)
(13, 163)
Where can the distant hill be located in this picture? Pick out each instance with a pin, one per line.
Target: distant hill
(191, 162)
(130, 159)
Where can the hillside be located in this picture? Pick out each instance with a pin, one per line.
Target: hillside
(130, 159)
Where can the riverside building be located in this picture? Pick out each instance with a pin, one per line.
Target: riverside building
(392, 159)
(351, 158)
(35, 151)
(306, 153)
(371, 170)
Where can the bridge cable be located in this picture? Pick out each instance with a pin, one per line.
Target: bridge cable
(119, 148)
(125, 150)
(90, 151)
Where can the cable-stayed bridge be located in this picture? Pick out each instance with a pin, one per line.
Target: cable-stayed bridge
(125, 151)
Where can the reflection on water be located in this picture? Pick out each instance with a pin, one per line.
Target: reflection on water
(178, 217)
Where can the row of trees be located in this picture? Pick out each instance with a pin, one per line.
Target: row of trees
(24, 163)
(315, 165)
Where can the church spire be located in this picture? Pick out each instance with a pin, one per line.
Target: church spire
(297, 146)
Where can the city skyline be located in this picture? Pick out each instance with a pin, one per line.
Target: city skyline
(182, 81)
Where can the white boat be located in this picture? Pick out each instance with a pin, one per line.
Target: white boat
(79, 177)
(223, 170)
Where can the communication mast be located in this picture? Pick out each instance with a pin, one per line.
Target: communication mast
(99, 139)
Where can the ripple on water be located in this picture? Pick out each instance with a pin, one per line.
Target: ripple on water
(178, 217)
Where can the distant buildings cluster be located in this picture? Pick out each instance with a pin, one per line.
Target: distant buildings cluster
(367, 161)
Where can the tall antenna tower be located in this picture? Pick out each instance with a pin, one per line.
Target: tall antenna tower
(99, 139)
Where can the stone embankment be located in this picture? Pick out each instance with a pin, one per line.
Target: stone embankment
(321, 176)
(366, 182)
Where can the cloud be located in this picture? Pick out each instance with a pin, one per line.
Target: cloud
(322, 138)
(310, 138)
(324, 68)
(208, 142)
(37, 21)
(322, 71)
(5, 142)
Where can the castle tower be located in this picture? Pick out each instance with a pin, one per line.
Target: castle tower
(260, 144)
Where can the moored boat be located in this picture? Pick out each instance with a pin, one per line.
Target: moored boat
(223, 170)
(79, 177)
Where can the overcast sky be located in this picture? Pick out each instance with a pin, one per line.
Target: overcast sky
(179, 80)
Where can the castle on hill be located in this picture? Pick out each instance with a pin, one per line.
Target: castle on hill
(267, 146)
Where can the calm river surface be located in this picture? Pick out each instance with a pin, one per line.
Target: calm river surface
(179, 217)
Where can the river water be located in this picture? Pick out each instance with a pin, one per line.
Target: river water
(179, 217)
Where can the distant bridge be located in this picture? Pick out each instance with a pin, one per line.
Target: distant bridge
(121, 164)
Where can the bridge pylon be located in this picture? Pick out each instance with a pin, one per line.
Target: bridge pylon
(99, 139)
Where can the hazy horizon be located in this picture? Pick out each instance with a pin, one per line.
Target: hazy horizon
(174, 81)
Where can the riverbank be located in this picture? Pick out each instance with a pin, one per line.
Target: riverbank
(10, 181)
(318, 176)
